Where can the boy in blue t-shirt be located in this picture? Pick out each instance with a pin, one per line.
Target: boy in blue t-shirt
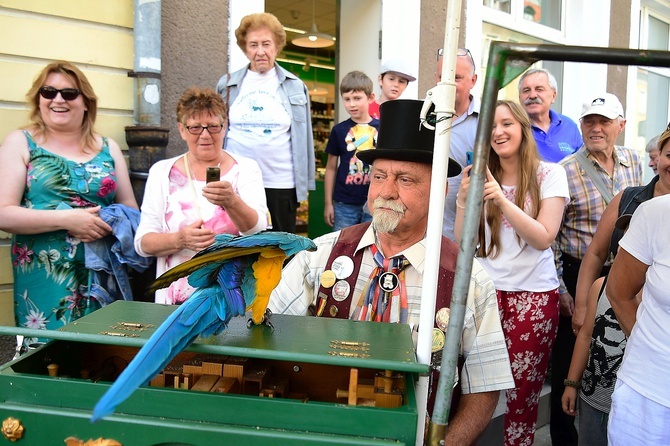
(348, 178)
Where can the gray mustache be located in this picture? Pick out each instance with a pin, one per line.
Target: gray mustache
(393, 205)
(532, 101)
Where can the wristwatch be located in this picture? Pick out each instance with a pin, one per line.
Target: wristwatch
(570, 383)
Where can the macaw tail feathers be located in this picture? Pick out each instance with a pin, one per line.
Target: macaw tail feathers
(198, 315)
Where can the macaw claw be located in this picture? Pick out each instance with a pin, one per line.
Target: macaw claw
(265, 321)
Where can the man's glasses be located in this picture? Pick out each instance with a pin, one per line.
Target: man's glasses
(462, 52)
(68, 94)
(198, 129)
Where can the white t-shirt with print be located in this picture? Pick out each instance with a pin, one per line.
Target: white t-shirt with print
(260, 128)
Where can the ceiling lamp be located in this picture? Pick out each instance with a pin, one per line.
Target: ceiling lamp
(313, 38)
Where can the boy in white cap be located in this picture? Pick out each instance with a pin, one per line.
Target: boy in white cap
(393, 79)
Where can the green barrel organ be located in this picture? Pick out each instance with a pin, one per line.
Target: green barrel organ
(310, 381)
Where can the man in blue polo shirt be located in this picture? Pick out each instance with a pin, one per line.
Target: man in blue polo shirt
(557, 136)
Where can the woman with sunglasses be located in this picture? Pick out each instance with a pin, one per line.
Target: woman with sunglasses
(57, 173)
(524, 199)
(184, 208)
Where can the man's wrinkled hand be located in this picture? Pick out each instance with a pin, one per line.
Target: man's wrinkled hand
(567, 305)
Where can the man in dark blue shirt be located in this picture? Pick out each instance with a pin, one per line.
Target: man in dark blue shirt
(557, 136)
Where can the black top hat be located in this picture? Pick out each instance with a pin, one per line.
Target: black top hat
(402, 137)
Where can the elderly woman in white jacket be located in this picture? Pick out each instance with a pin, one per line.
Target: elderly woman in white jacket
(181, 210)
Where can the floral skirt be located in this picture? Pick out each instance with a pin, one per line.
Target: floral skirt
(530, 323)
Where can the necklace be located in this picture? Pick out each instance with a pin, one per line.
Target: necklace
(192, 186)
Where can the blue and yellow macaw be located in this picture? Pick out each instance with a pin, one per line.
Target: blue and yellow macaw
(232, 276)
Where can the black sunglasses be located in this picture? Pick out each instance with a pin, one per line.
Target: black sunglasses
(68, 94)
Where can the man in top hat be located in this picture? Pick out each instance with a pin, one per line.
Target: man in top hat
(340, 279)
(596, 172)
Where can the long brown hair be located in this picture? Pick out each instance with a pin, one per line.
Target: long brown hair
(74, 74)
(527, 185)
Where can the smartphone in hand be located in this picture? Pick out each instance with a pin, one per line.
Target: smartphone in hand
(213, 174)
(469, 156)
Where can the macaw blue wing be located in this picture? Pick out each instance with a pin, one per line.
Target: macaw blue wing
(226, 246)
(230, 278)
(233, 275)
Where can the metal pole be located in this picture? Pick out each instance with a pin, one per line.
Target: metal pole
(443, 97)
(473, 210)
(146, 139)
(147, 62)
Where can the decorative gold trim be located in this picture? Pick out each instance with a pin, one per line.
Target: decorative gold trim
(337, 344)
(348, 347)
(12, 429)
(349, 355)
(131, 326)
(119, 335)
(73, 441)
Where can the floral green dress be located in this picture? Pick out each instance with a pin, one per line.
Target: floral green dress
(50, 278)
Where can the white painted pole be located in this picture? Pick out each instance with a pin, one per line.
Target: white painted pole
(443, 96)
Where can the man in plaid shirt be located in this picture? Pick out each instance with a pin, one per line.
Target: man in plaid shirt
(601, 122)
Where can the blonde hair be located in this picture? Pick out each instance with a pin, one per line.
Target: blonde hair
(260, 20)
(527, 184)
(663, 140)
(74, 74)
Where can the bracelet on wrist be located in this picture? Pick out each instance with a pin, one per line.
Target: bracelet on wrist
(571, 383)
(459, 205)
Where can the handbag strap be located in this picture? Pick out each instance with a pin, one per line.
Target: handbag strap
(595, 177)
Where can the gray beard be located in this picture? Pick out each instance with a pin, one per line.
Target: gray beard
(385, 222)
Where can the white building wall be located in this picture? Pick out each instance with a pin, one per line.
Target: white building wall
(239, 9)
(400, 21)
(363, 23)
(630, 139)
(583, 29)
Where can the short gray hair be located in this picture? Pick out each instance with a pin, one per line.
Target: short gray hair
(652, 144)
(550, 77)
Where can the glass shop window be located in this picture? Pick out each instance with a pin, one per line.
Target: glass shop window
(544, 12)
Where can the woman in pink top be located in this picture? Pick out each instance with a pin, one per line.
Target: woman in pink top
(181, 210)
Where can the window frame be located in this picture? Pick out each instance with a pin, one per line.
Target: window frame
(515, 20)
